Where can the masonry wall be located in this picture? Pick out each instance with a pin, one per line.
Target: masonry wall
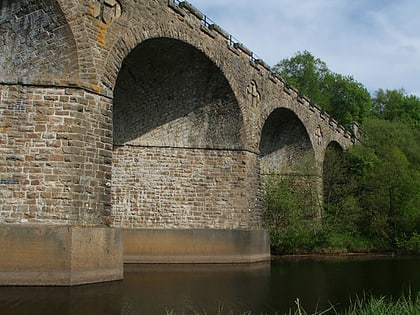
(55, 155)
(184, 188)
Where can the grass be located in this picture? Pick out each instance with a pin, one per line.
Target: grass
(371, 306)
(406, 305)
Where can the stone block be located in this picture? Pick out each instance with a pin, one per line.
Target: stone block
(195, 246)
(36, 255)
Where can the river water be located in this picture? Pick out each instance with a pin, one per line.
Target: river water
(265, 288)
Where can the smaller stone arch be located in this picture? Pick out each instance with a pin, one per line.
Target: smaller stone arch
(284, 141)
(287, 161)
(335, 145)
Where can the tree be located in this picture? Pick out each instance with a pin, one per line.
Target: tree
(371, 191)
(343, 97)
(291, 209)
(306, 73)
(348, 100)
(389, 180)
(396, 105)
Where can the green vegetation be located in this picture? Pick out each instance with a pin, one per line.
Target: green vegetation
(341, 96)
(371, 306)
(361, 306)
(371, 192)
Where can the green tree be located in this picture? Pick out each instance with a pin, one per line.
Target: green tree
(348, 100)
(372, 191)
(396, 105)
(291, 209)
(343, 97)
(293, 227)
(306, 73)
(340, 187)
(389, 180)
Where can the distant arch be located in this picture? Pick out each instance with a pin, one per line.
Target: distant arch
(334, 145)
(284, 141)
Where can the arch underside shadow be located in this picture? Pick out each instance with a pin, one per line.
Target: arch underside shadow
(169, 94)
(284, 142)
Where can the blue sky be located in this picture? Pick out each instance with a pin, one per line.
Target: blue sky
(375, 41)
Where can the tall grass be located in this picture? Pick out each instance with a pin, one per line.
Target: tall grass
(409, 305)
(406, 305)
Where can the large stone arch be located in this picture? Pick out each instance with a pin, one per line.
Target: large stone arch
(177, 154)
(168, 26)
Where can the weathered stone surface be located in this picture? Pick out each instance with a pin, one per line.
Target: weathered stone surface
(184, 188)
(53, 156)
(195, 246)
(59, 255)
(36, 42)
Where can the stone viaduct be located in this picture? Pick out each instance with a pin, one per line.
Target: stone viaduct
(137, 131)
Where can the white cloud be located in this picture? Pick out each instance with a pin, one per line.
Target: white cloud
(376, 41)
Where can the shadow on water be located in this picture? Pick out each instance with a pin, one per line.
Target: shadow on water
(261, 288)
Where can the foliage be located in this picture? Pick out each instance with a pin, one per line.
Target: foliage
(372, 305)
(291, 209)
(291, 224)
(366, 305)
(371, 197)
(372, 191)
(306, 73)
(341, 96)
(395, 105)
(348, 100)
(389, 180)
(409, 245)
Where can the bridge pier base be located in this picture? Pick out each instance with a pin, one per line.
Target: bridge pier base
(195, 246)
(35, 255)
(48, 255)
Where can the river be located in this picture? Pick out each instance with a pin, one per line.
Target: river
(261, 288)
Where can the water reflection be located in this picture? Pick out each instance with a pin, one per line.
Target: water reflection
(89, 299)
(261, 288)
(185, 288)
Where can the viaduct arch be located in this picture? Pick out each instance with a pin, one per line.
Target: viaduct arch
(139, 118)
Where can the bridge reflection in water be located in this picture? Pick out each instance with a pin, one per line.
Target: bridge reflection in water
(261, 288)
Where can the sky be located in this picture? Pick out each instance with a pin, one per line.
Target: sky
(375, 41)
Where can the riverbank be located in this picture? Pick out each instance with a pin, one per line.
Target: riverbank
(330, 245)
(329, 255)
(405, 305)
